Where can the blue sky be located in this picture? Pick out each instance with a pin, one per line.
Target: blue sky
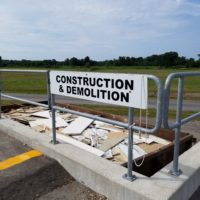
(101, 29)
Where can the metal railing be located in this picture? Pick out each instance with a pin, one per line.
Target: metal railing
(130, 125)
(179, 122)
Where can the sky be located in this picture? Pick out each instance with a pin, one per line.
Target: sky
(100, 29)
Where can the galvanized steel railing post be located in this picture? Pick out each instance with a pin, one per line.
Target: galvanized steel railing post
(53, 115)
(0, 94)
(176, 171)
(129, 176)
(179, 121)
(48, 89)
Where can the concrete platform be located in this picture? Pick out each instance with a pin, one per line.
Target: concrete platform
(105, 177)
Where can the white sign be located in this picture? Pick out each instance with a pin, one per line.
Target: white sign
(118, 89)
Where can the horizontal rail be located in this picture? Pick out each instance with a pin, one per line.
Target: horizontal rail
(23, 70)
(95, 117)
(24, 100)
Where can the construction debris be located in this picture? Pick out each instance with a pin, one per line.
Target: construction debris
(101, 139)
(77, 126)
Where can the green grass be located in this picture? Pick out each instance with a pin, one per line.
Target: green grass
(24, 83)
(36, 83)
(151, 113)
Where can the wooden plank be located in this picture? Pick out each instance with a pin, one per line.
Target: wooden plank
(80, 145)
(42, 114)
(113, 139)
(77, 126)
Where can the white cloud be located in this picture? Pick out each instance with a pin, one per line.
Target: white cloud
(40, 29)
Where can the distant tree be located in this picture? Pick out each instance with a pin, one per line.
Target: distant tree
(66, 61)
(170, 59)
(87, 59)
(0, 61)
(73, 61)
(198, 55)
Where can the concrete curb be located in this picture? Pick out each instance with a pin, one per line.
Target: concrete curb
(105, 177)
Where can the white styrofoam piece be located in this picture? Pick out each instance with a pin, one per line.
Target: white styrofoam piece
(93, 139)
(88, 132)
(80, 145)
(77, 126)
(108, 154)
(101, 133)
(137, 151)
(43, 114)
(48, 122)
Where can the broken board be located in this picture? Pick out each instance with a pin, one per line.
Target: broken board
(42, 114)
(77, 126)
(113, 139)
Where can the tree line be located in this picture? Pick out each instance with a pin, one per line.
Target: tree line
(165, 60)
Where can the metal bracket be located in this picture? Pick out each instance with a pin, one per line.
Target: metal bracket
(175, 173)
(129, 178)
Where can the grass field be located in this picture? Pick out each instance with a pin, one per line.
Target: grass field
(124, 111)
(36, 83)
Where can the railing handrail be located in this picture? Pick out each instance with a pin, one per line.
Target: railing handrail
(179, 122)
(167, 87)
(24, 70)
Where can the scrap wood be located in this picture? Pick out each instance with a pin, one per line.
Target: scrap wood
(114, 138)
(119, 156)
(42, 114)
(12, 111)
(39, 128)
(33, 109)
(21, 120)
(150, 147)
